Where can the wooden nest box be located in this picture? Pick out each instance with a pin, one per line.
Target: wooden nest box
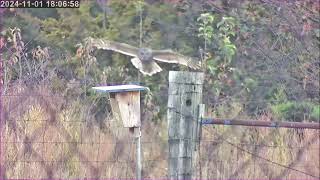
(125, 103)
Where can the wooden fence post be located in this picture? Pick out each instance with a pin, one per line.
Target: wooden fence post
(185, 94)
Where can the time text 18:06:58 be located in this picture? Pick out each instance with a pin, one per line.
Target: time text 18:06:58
(39, 3)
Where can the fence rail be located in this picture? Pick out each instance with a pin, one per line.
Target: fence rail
(271, 124)
(43, 136)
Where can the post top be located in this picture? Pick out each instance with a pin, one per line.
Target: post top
(186, 77)
(120, 88)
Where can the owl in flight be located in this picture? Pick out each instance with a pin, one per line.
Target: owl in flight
(143, 59)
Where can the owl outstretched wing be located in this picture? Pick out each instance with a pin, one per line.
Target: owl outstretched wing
(113, 46)
(170, 56)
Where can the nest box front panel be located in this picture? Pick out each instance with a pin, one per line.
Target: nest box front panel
(129, 107)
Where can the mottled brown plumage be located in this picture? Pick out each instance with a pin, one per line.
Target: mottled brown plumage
(144, 58)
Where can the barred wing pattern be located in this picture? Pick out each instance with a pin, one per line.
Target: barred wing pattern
(170, 56)
(147, 68)
(114, 46)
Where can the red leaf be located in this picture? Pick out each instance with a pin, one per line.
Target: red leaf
(2, 42)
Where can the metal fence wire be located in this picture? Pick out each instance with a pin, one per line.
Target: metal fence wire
(44, 135)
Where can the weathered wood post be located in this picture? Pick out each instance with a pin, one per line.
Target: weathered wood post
(185, 94)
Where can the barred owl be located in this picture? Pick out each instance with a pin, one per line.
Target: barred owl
(144, 58)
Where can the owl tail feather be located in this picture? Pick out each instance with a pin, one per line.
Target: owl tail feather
(149, 68)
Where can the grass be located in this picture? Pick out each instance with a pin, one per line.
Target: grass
(74, 148)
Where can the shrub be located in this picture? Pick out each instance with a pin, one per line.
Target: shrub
(294, 111)
(315, 114)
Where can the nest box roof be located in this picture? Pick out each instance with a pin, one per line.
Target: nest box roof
(120, 88)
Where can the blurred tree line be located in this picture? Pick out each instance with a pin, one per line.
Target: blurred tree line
(260, 57)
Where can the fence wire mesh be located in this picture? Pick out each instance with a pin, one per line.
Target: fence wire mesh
(52, 128)
(42, 136)
(255, 153)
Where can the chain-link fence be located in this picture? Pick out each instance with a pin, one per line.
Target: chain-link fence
(44, 135)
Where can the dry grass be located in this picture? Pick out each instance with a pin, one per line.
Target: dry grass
(42, 141)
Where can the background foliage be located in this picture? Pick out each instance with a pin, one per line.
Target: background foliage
(259, 57)
(261, 60)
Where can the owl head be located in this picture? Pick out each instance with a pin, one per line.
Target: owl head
(145, 54)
